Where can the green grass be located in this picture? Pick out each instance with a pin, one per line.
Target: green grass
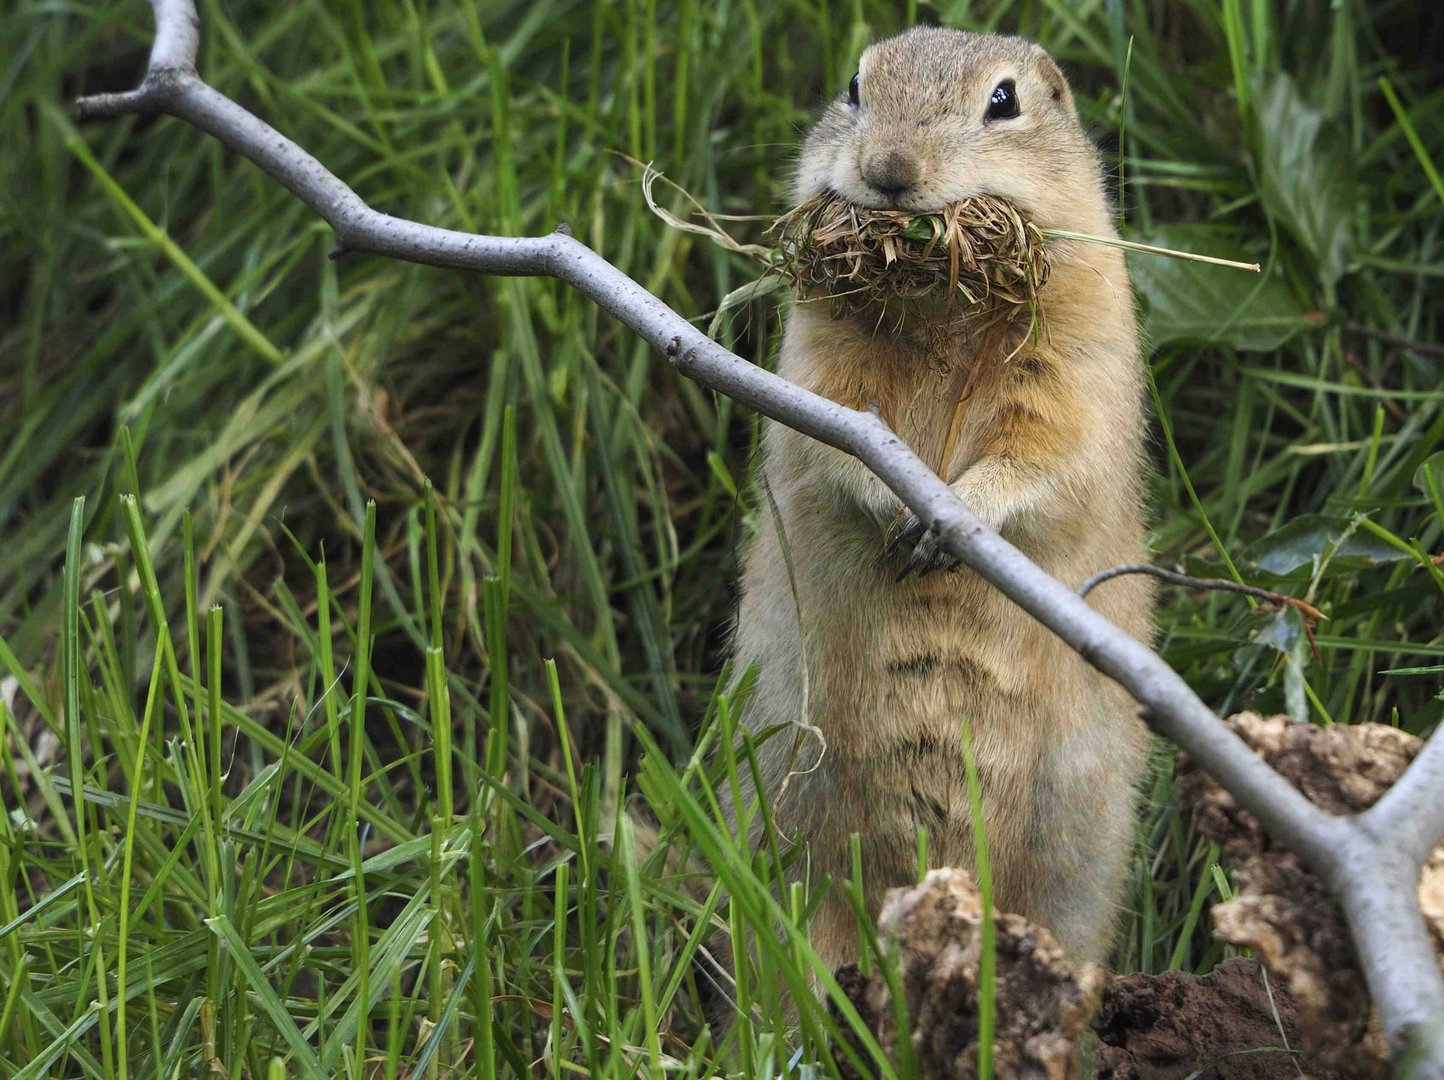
(390, 585)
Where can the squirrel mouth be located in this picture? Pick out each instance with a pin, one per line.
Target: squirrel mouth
(902, 203)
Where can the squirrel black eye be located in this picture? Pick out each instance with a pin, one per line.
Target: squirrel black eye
(852, 91)
(1003, 104)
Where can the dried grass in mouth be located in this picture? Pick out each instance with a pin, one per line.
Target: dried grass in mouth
(979, 255)
(979, 258)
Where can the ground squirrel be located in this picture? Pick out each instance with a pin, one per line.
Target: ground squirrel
(884, 670)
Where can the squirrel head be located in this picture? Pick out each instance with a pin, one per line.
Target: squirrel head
(935, 115)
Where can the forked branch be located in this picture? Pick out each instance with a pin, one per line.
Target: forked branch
(1371, 862)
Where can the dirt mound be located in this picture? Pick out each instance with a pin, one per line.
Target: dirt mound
(1309, 1018)
(1281, 910)
(1043, 1000)
(1225, 1025)
(1222, 1026)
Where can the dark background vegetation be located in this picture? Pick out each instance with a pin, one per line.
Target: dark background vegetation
(153, 284)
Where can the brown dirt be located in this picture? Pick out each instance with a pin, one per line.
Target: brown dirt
(1281, 910)
(1221, 1026)
(1043, 1000)
(1226, 1025)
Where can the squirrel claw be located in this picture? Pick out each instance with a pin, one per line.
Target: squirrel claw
(927, 556)
(911, 531)
(913, 563)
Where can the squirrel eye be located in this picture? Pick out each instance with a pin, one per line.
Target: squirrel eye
(852, 91)
(1003, 104)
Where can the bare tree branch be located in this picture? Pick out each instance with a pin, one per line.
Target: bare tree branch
(1190, 582)
(1374, 876)
(1410, 816)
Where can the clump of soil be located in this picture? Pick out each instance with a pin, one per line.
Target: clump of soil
(1044, 1000)
(1225, 1025)
(1281, 910)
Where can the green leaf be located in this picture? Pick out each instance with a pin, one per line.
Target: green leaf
(1213, 305)
(1306, 175)
(922, 229)
(1315, 541)
(1285, 632)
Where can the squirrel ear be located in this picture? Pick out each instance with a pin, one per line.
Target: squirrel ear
(1053, 78)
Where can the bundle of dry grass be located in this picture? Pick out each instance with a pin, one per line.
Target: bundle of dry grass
(979, 258)
(976, 256)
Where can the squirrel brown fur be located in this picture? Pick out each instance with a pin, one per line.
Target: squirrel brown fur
(871, 677)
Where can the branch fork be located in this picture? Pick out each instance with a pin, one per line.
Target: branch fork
(1370, 862)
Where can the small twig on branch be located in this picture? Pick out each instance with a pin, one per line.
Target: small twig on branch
(1173, 577)
(1371, 862)
(1396, 341)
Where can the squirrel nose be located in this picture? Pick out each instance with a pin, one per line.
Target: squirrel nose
(891, 173)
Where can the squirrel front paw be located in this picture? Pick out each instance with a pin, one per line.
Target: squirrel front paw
(925, 550)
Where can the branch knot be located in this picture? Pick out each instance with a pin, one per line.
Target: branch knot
(682, 359)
